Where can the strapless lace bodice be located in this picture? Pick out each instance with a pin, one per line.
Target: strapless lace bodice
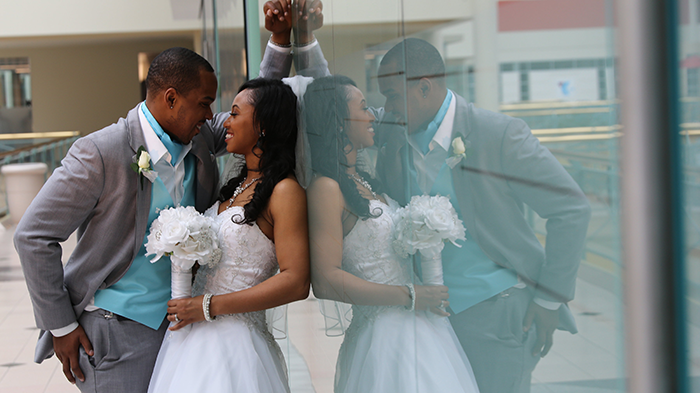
(248, 256)
(368, 252)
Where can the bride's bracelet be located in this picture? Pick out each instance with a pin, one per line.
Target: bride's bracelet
(412, 295)
(206, 302)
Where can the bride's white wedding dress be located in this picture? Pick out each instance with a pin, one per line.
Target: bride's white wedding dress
(235, 353)
(388, 348)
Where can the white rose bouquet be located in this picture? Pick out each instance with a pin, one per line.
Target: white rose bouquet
(424, 225)
(186, 236)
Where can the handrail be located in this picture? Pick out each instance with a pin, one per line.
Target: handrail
(39, 135)
(554, 104)
(31, 147)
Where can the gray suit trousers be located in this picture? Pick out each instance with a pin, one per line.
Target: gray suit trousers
(492, 336)
(125, 353)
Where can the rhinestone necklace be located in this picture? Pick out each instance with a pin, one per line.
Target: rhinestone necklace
(364, 184)
(239, 190)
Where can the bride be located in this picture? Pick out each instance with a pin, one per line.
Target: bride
(392, 345)
(263, 227)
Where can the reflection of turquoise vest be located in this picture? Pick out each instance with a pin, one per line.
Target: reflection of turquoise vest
(470, 275)
(143, 293)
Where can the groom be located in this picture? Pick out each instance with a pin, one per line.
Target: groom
(508, 293)
(103, 313)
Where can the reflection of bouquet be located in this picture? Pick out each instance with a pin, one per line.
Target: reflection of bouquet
(186, 237)
(424, 225)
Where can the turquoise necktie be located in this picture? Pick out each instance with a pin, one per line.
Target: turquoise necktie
(424, 137)
(174, 148)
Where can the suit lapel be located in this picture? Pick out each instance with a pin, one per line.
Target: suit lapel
(206, 176)
(462, 128)
(396, 176)
(143, 194)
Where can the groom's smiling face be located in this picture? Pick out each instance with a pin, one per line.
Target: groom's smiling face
(193, 109)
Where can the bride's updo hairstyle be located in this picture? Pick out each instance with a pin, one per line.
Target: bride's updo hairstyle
(275, 112)
(325, 114)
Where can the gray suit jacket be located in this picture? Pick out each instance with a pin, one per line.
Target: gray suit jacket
(506, 168)
(96, 192)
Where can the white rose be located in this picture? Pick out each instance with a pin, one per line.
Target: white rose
(458, 146)
(174, 232)
(144, 160)
(440, 220)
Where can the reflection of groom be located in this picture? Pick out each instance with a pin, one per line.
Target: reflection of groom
(502, 279)
(105, 309)
(506, 290)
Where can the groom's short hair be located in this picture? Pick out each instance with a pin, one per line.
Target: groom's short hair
(176, 67)
(417, 58)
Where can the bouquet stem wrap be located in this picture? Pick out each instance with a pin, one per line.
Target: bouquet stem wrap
(432, 270)
(180, 281)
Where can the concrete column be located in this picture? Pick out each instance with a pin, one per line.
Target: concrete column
(652, 230)
(8, 87)
(486, 70)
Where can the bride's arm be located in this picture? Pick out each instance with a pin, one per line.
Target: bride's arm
(329, 280)
(287, 208)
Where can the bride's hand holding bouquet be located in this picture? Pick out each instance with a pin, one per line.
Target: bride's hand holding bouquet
(186, 236)
(425, 225)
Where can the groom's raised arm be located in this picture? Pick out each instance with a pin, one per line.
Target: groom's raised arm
(304, 16)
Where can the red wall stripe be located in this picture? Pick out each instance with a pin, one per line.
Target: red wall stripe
(550, 14)
(518, 15)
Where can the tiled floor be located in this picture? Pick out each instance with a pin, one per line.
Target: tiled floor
(585, 362)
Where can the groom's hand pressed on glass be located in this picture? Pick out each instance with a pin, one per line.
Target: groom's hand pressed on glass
(278, 20)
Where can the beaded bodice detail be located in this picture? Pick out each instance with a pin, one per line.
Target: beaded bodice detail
(367, 249)
(368, 253)
(248, 259)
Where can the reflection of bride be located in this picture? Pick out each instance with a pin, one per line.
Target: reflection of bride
(388, 347)
(262, 225)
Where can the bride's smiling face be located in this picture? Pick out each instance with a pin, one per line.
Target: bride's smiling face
(358, 126)
(241, 134)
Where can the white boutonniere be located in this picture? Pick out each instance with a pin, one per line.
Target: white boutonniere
(142, 165)
(459, 151)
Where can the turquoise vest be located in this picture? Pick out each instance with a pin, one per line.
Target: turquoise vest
(469, 274)
(143, 292)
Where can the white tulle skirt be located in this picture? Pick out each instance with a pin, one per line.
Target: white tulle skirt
(227, 355)
(394, 350)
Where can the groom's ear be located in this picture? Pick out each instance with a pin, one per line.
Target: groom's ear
(170, 97)
(425, 85)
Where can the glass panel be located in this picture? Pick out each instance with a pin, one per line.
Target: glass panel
(231, 51)
(508, 108)
(689, 89)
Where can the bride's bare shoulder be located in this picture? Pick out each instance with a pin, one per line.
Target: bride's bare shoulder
(323, 185)
(288, 188)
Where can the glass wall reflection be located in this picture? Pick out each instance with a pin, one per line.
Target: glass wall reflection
(689, 107)
(508, 110)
